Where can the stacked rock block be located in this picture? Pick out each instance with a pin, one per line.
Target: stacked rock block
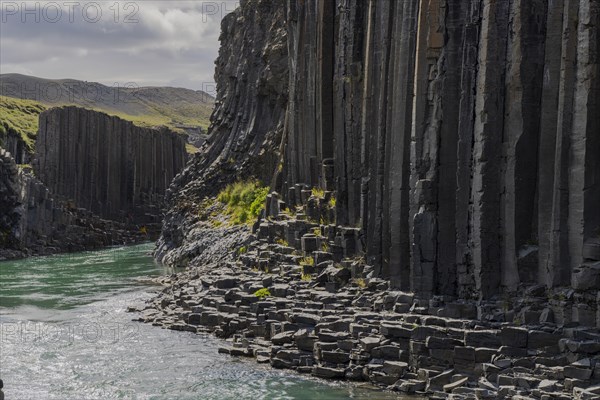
(464, 137)
(334, 327)
(107, 165)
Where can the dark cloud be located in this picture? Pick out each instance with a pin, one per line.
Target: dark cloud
(146, 42)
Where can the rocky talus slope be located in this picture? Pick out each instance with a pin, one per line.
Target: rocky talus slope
(324, 314)
(438, 170)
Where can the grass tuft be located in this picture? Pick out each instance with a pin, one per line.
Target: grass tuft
(318, 193)
(307, 261)
(332, 202)
(244, 201)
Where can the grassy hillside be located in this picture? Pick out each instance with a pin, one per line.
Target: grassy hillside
(20, 116)
(145, 106)
(23, 98)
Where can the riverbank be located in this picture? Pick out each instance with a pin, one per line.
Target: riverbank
(66, 336)
(283, 299)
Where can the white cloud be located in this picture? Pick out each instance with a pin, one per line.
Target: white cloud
(172, 42)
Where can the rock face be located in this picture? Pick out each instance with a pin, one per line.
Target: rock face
(12, 142)
(105, 164)
(247, 123)
(462, 137)
(34, 222)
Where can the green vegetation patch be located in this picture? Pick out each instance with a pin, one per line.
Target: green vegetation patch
(262, 293)
(21, 117)
(244, 201)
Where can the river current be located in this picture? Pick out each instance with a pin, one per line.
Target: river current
(65, 334)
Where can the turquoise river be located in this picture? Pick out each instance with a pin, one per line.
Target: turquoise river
(65, 334)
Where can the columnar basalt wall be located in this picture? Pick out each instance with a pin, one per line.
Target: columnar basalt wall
(34, 222)
(466, 136)
(105, 164)
(251, 76)
(461, 136)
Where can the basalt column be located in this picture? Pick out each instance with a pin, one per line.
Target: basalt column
(107, 165)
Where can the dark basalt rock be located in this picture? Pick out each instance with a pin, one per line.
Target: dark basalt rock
(34, 222)
(464, 151)
(107, 165)
(247, 122)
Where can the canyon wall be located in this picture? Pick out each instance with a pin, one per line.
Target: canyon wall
(461, 136)
(247, 123)
(34, 222)
(464, 136)
(107, 165)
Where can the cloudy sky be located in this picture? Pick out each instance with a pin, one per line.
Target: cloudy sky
(145, 42)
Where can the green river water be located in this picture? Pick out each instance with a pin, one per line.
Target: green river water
(65, 334)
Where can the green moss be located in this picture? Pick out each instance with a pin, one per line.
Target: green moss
(332, 202)
(262, 293)
(360, 282)
(244, 201)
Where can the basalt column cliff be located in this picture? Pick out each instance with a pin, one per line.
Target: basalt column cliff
(98, 180)
(107, 165)
(462, 136)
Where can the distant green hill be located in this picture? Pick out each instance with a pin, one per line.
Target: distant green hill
(23, 97)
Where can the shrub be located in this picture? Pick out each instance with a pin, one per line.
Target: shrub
(262, 293)
(318, 193)
(244, 200)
